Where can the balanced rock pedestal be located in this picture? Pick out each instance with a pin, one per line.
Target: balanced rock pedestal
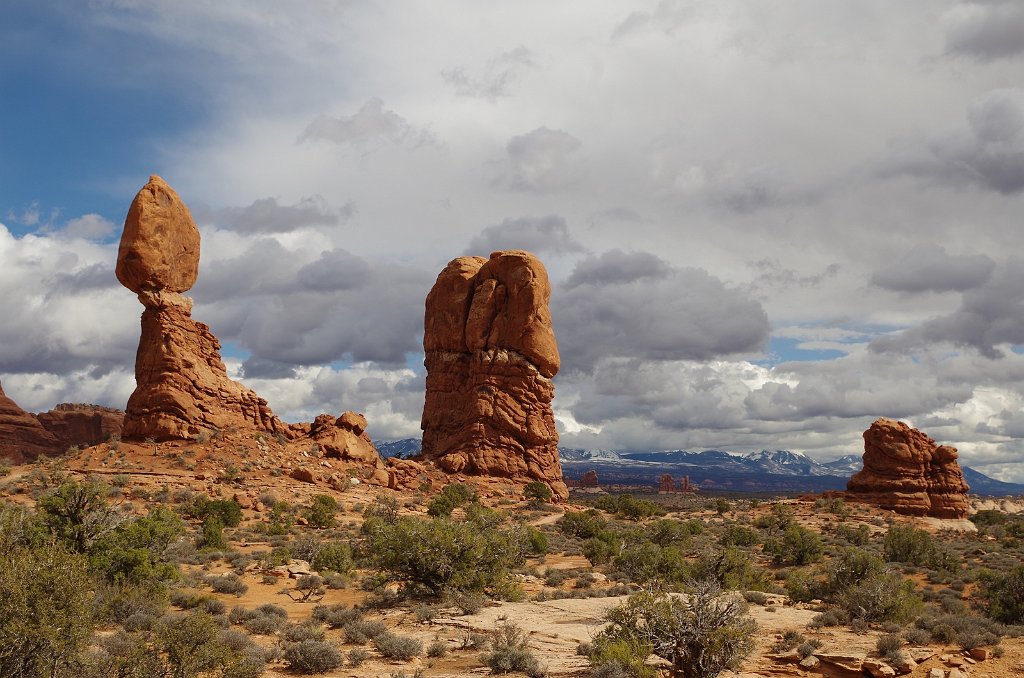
(490, 358)
(905, 471)
(182, 386)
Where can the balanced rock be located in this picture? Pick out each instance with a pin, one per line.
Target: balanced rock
(22, 437)
(490, 358)
(905, 471)
(182, 386)
(82, 425)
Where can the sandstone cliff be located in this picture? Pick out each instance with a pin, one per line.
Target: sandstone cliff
(82, 425)
(905, 471)
(490, 357)
(22, 437)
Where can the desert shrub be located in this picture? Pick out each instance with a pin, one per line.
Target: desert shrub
(537, 492)
(45, 610)
(883, 597)
(909, 545)
(212, 534)
(442, 554)
(858, 536)
(439, 648)
(312, 656)
(79, 514)
(889, 646)
(967, 630)
(202, 507)
(619, 658)
(801, 586)
(732, 568)
(780, 518)
(797, 546)
(807, 648)
(195, 644)
(451, 497)
(357, 656)
(668, 531)
(789, 640)
(362, 630)
(1003, 595)
(468, 602)
(510, 652)
(737, 535)
(538, 541)
(850, 567)
(337, 615)
(582, 524)
(629, 507)
(394, 646)
(263, 624)
(297, 633)
(321, 512)
(701, 636)
(831, 617)
(333, 557)
(227, 583)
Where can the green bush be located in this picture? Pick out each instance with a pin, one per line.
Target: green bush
(212, 537)
(79, 514)
(1004, 595)
(202, 507)
(737, 535)
(909, 545)
(333, 557)
(732, 569)
(537, 492)
(582, 524)
(881, 597)
(797, 546)
(629, 507)
(337, 615)
(621, 657)
(441, 554)
(45, 610)
(450, 498)
(849, 568)
(701, 636)
(320, 514)
(195, 645)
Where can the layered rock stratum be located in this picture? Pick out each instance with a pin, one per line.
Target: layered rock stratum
(22, 437)
(905, 471)
(490, 354)
(182, 387)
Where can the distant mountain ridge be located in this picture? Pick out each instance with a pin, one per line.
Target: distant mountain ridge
(763, 471)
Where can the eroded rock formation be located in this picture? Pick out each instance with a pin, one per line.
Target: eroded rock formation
(490, 357)
(182, 387)
(905, 471)
(22, 437)
(82, 425)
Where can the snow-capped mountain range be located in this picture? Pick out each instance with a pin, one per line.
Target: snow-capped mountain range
(763, 471)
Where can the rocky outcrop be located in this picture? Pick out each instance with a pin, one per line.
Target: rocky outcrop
(182, 387)
(22, 437)
(905, 471)
(82, 425)
(490, 358)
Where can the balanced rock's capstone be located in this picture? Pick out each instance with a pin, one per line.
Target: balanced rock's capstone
(905, 471)
(490, 358)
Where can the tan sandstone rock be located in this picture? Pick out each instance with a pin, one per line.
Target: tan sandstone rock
(490, 357)
(22, 437)
(905, 471)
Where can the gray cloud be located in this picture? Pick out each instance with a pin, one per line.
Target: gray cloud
(989, 316)
(371, 126)
(335, 270)
(266, 215)
(636, 305)
(547, 234)
(539, 161)
(929, 268)
(667, 17)
(988, 151)
(985, 30)
(497, 77)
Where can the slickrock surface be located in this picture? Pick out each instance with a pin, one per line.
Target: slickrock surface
(905, 471)
(490, 357)
(182, 387)
(22, 437)
(82, 425)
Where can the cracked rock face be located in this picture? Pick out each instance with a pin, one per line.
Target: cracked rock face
(182, 386)
(22, 437)
(490, 357)
(905, 471)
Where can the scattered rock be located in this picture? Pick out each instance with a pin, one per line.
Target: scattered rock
(920, 654)
(810, 662)
(490, 358)
(850, 662)
(936, 673)
(956, 673)
(905, 471)
(904, 664)
(303, 475)
(877, 668)
(980, 653)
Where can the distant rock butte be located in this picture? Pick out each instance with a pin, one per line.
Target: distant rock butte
(905, 471)
(22, 437)
(83, 425)
(490, 357)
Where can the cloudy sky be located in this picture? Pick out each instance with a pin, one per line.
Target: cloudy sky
(766, 224)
